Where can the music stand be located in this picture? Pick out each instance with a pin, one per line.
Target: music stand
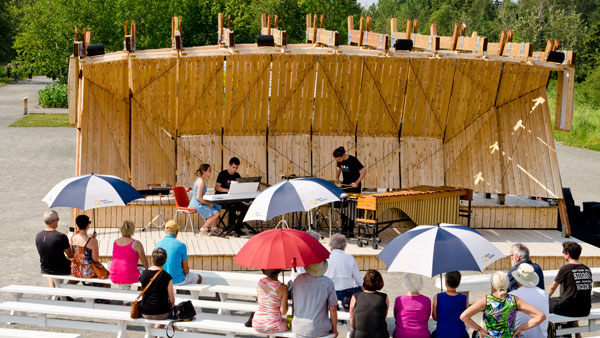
(158, 221)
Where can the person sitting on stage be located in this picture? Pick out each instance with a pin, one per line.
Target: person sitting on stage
(177, 258)
(126, 254)
(272, 298)
(519, 254)
(85, 249)
(353, 173)
(222, 187)
(412, 310)
(447, 307)
(52, 247)
(343, 271)
(313, 294)
(576, 279)
(207, 210)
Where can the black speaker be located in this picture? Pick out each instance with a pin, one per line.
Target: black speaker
(95, 49)
(403, 44)
(558, 57)
(265, 41)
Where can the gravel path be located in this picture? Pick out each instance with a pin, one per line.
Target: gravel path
(37, 158)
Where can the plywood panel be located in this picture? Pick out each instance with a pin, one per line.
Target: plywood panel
(421, 160)
(192, 151)
(379, 155)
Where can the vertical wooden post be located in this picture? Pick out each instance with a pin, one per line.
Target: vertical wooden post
(314, 37)
(393, 26)
(415, 26)
(509, 35)
(322, 21)
(433, 29)
(228, 21)
(502, 42)
(133, 39)
(408, 28)
(269, 24)
(564, 217)
(276, 25)
(368, 23)
(361, 31)
(454, 37)
(263, 20)
(220, 23)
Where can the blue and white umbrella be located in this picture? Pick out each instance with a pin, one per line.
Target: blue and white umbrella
(430, 250)
(300, 194)
(91, 191)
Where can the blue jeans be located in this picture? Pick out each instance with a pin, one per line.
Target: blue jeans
(345, 295)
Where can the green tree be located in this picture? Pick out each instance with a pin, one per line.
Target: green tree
(7, 24)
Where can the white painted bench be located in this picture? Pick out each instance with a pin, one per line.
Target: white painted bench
(90, 293)
(118, 318)
(481, 282)
(592, 322)
(14, 333)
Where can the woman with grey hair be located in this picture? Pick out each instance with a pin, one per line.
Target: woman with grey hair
(412, 310)
(343, 270)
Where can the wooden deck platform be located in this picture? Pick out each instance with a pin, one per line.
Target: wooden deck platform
(216, 253)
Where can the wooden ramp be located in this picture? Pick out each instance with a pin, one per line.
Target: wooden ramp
(216, 253)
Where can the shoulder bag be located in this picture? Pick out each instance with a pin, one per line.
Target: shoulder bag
(135, 305)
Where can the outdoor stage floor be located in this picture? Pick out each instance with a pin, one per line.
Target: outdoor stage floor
(216, 253)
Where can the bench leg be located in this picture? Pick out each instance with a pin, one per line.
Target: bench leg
(223, 298)
(122, 329)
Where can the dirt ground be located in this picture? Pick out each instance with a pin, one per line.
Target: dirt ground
(35, 159)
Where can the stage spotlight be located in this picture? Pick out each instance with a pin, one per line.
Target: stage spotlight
(95, 49)
(265, 41)
(558, 57)
(403, 44)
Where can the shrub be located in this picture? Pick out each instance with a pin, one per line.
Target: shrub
(54, 96)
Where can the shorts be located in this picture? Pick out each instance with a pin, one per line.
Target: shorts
(190, 278)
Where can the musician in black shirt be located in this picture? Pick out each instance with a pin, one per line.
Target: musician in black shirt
(222, 187)
(353, 173)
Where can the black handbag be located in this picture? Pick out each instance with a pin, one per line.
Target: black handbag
(183, 312)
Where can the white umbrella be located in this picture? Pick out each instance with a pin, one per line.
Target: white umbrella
(300, 194)
(431, 250)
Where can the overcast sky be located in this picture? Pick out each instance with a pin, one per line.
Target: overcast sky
(367, 3)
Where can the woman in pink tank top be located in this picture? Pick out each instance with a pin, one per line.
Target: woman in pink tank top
(126, 253)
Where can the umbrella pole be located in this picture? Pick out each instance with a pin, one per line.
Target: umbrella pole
(94, 216)
(441, 284)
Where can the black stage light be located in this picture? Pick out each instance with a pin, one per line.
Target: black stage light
(403, 44)
(558, 57)
(265, 41)
(95, 49)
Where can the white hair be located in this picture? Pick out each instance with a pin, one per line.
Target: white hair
(337, 241)
(500, 283)
(520, 250)
(314, 235)
(412, 282)
(50, 216)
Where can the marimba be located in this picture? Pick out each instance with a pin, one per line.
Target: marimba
(421, 204)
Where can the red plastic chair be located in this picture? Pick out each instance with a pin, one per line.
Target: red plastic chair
(181, 203)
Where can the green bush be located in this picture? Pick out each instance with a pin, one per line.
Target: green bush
(54, 96)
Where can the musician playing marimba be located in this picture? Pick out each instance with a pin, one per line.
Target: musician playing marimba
(353, 173)
(222, 187)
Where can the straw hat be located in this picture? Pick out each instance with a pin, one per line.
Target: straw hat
(526, 275)
(317, 269)
(171, 226)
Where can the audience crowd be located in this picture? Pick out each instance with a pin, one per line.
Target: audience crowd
(516, 305)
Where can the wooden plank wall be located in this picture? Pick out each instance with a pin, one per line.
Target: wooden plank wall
(436, 121)
(513, 217)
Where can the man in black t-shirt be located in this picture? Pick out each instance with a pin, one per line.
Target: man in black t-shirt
(222, 187)
(353, 173)
(52, 247)
(576, 279)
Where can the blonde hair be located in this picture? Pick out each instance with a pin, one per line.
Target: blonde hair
(127, 228)
(412, 282)
(500, 283)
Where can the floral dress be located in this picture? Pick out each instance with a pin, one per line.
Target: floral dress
(81, 265)
(267, 318)
(500, 315)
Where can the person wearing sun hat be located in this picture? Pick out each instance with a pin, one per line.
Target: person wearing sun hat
(313, 294)
(177, 258)
(527, 279)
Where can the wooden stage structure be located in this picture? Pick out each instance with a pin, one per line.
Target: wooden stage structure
(454, 111)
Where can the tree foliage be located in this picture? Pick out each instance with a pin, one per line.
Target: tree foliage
(41, 31)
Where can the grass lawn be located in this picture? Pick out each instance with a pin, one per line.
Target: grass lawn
(43, 120)
(585, 129)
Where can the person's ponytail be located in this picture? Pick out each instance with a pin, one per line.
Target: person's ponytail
(339, 152)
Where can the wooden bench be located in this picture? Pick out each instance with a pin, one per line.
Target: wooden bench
(14, 333)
